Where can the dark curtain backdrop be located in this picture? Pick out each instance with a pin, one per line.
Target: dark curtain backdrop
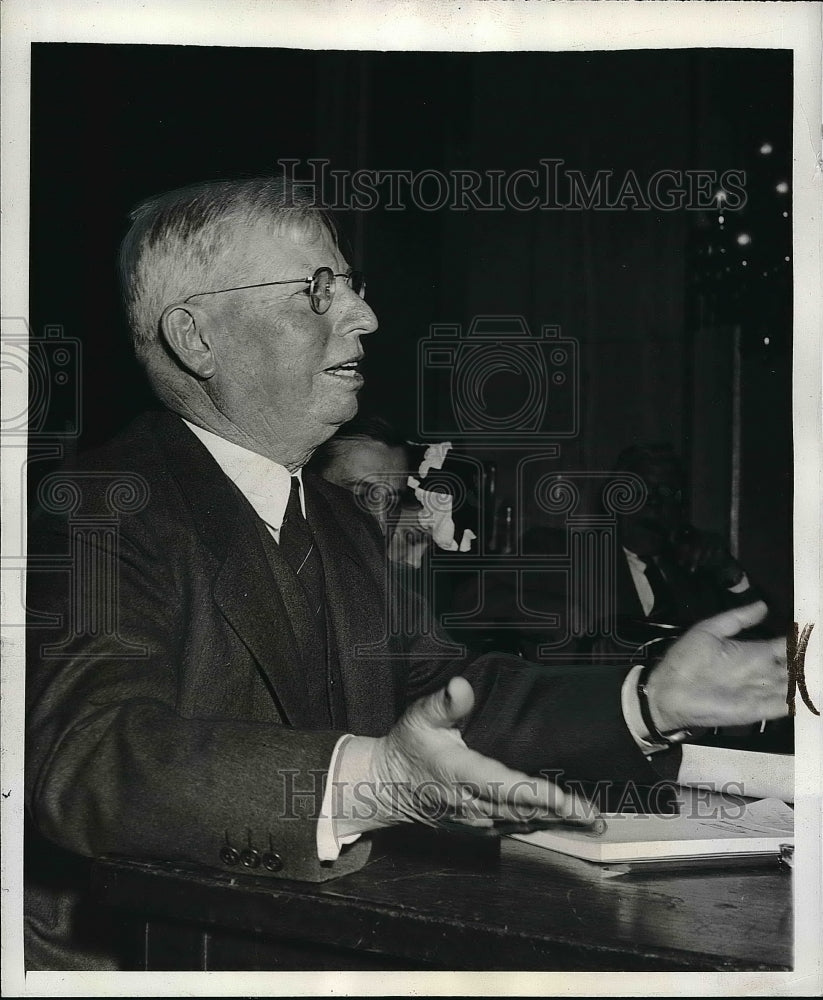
(113, 124)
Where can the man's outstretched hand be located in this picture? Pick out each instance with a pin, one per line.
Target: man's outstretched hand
(709, 678)
(422, 771)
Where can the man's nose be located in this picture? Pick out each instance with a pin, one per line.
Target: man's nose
(359, 315)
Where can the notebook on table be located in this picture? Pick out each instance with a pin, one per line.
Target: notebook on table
(708, 827)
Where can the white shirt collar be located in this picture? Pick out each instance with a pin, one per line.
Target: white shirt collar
(637, 568)
(634, 559)
(264, 483)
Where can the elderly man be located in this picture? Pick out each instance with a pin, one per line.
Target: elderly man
(193, 710)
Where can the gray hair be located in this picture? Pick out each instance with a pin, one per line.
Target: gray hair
(178, 241)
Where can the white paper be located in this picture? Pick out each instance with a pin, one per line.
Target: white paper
(730, 827)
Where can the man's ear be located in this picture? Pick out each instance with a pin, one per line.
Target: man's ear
(185, 338)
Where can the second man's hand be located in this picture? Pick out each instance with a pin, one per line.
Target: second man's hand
(422, 771)
(710, 678)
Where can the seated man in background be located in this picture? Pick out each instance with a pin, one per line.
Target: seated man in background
(371, 459)
(668, 574)
(403, 486)
(672, 573)
(246, 706)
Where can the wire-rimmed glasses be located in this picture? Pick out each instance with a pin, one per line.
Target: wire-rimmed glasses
(322, 285)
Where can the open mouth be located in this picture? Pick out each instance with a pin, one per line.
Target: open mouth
(348, 370)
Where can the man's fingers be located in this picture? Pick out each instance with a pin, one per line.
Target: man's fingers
(509, 811)
(493, 781)
(760, 655)
(778, 650)
(513, 794)
(731, 622)
(445, 708)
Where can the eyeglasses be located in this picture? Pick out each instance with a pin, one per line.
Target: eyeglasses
(322, 285)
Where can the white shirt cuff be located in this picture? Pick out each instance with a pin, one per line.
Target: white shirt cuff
(328, 843)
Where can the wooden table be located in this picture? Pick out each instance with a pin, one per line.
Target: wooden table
(436, 903)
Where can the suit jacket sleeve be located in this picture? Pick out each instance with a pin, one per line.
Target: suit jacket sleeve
(538, 717)
(121, 759)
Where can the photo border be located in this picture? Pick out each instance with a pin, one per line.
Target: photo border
(471, 26)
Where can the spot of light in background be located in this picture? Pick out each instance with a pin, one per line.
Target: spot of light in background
(721, 219)
(785, 215)
(766, 148)
(745, 263)
(781, 187)
(766, 341)
(743, 239)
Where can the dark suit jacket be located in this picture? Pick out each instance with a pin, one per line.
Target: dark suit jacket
(695, 596)
(184, 725)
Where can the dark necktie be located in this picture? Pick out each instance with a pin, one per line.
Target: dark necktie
(664, 609)
(298, 546)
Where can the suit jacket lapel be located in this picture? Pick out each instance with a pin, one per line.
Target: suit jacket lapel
(244, 587)
(255, 608)
(356, 603)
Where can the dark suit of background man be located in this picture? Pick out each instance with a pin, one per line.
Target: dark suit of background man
(672, 572)
(239, 670)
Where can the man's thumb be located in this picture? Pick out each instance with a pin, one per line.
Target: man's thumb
(731, 622)
(446, 707)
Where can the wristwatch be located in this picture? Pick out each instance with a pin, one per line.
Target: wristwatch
(671, 738)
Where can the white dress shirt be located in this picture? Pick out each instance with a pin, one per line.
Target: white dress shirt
(264, 483)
